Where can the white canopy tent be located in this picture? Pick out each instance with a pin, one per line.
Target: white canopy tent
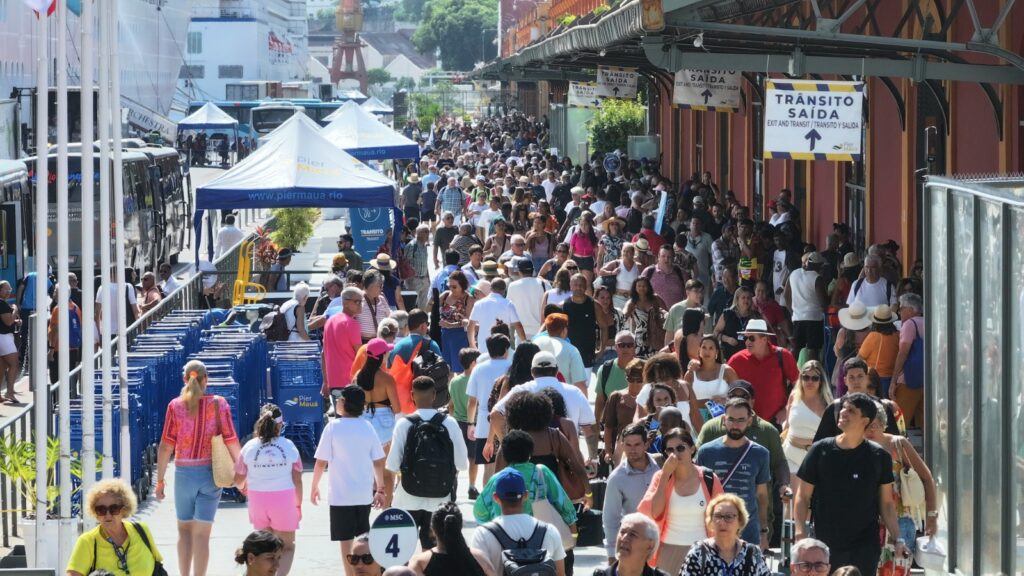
(374, 106)
(362, 135)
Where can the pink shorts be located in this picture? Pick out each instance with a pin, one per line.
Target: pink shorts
(274, 510)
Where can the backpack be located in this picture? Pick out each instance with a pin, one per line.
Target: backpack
(428, 462)
(274, 326)
(427, 363)
(888, 289)
(523, 557)
(606, 372)
(648, 273)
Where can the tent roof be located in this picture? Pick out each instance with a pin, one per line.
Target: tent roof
(209, 116)
(298, 168)
(375, 106)
(362, 135)
(298, 117)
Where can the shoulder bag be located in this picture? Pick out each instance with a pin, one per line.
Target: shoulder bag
(158, 567)
(575, 486)
(223, 465)
(544, 511)
(911, 485)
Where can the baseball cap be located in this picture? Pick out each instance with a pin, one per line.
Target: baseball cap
(378, 347)
(525, 266)
(544, 359)
(741, 385)
(509, 485)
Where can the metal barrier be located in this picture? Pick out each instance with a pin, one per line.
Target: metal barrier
(189, 295)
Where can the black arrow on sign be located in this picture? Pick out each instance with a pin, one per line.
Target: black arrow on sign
(597, 102)
(707, 94)
(615, 91)
(813, 136)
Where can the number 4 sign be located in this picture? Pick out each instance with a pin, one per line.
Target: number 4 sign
(393, 537)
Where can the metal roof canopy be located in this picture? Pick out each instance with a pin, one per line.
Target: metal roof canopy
(759, 41)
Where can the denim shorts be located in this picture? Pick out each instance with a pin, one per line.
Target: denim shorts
(383, 421)
(908, 531)
(196, 497)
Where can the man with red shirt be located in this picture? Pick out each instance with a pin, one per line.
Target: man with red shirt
(341, 341)
(769, 369)
(647, 232)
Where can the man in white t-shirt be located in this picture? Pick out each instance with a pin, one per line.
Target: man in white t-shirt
(524, 293)
(489, 215)
(510, 493)
(550, 184)
(478, 391)
(568, 357)
(350, 446)
(227, 237)
(544, 369)
(487, 312)
(112, 295)
(872, 289)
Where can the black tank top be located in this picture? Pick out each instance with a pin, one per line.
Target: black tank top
(443, 565)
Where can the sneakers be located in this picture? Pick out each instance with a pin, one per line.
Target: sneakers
(473, 493)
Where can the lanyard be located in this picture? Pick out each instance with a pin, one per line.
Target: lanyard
(122, 554)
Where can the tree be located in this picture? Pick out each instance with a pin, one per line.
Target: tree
(293, 226)
(378, 76)
(614, 122)
(411, 10)
(463, 30)
(405, 83)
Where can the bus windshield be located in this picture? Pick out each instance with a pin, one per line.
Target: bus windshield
(266, 120)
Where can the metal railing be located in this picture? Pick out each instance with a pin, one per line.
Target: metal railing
(13, 505)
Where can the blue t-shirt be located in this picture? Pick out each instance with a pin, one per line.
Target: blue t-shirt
(28, 295)
(406, 346)
(754, 470)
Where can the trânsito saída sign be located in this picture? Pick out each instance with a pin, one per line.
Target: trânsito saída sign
(712, 90)
(615, 82)
(806, 120)
(583, 95)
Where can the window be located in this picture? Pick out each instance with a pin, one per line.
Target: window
(192, 72)
(231, 71)
(195, 42)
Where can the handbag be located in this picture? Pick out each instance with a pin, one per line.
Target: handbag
(911, 486)
(158, 567)
(545, 512)
(575, 487)
(223, 465)
(890, 565)
(930, 555)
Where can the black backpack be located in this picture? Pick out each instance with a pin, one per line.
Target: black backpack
(523, 557)
(428, 462)
(426, 363)
(274, 326)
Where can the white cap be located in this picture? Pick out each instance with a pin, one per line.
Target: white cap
(544, 359)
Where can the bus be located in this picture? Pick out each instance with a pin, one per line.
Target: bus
(14, 191)
(155, 211)
(267, 117)
(317, 110)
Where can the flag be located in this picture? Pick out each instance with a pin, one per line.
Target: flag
(50, 6)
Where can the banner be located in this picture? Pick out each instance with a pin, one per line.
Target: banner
(369, 228)
(813, 120)
(613, 82)
(712, 90)
(583, 95)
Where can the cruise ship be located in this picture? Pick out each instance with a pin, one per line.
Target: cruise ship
(152, 36)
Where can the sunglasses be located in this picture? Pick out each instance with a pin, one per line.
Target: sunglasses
(572, 268)
(676, 449)
(810, 377)
(355, 559)
(113, 509)
(625, 344)
(727, 518)
(809, 567)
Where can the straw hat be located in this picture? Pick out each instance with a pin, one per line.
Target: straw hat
(642, 246)
(613, 220)
(856, 317)
(414, 178)
(757, 326)
(382, 262)
(851, 260)
(882, 315)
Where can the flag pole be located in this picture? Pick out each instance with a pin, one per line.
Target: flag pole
(38, 336)
(88, 259)
(106, 306)
(65, 538)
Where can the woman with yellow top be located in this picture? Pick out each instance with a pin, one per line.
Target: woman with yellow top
(116, 545)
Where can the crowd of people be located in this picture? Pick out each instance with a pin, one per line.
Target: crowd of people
(725, 375)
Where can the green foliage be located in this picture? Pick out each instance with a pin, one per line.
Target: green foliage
(603, 8)
(293, 226)
(427, 109)
(567, 19)
(614, 122)
(410, 10)
(18, 462)
(463, 30)
(405, 83)
(378, 76)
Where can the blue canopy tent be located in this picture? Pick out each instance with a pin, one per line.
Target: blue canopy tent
(362, 135)
(297, 168)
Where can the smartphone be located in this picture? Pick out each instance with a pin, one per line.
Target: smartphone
(654, 425)
(715, 408)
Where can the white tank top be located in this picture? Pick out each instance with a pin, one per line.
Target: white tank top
(685, 518)
(706, 389)
(624, 279)
(803, 422)
(806, 305)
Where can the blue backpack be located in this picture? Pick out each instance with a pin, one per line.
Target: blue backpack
(913, 367)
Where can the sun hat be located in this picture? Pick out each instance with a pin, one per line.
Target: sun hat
(414, 178)
(613, 220)
(489, 268)
(642, 246)
(851, 260)
(382, 262)
(814, 258)
(856, 317)
(882, 315)
(339, 261)
(758, 327)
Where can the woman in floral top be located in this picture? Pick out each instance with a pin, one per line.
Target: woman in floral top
(725, 552)
(609, 247)
(191, 422)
